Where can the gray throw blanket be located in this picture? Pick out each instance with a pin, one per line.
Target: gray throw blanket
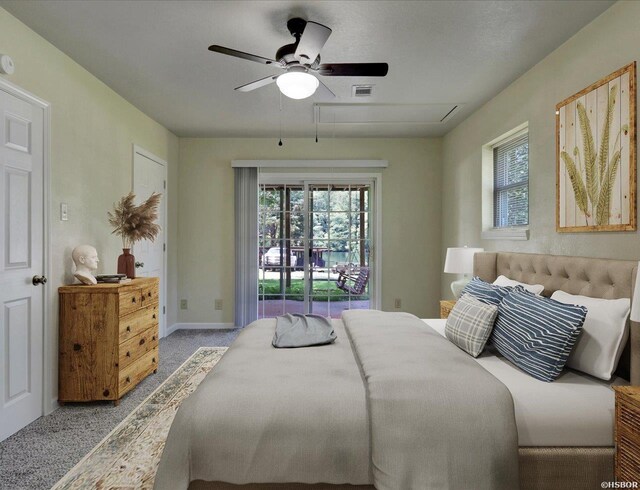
(389, 403)
(296, 330)
(436, 420)
(267, 415)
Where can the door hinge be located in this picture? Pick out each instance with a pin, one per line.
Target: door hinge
(165, 184)
(164, 310)
(164, 247)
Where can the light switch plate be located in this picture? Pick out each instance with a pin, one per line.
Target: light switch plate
(64, 211)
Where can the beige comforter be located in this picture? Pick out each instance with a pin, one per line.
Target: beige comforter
(389, 404)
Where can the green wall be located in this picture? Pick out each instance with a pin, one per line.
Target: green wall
(608, 43)
(411, 215)
(93, 130)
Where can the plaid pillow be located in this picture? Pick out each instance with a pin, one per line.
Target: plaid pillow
(469, 324)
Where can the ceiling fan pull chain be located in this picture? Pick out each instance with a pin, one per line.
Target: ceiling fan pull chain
(280, 119)
(316, 116)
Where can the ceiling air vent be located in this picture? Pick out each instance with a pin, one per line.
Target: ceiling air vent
(362, 90)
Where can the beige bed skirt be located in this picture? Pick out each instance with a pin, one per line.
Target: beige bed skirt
(541, 468)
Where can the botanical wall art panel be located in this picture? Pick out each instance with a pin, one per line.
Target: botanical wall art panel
(596, 156)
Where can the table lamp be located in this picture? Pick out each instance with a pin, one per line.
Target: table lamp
(460, 261)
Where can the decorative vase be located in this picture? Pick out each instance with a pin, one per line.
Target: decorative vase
(127, 264)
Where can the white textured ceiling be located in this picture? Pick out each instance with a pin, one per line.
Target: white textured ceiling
(154, 53)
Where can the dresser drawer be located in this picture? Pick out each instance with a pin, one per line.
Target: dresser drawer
(137, 371)
(129, 301)
(628, 418)
(627, 433)
(137, 322)
(627, 457)
(149, 294)
(137, 346)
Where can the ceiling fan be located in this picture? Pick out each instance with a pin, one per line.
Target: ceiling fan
(302, 58)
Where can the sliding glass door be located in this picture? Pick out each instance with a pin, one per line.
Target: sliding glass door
(281, 245)
(315, 247)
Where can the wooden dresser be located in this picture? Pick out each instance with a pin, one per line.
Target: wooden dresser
(108, 339)
(627, 433)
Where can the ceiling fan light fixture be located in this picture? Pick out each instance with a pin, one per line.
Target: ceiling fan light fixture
(297, 84)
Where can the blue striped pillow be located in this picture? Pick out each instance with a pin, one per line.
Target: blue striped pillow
(537, 333)
(485, 292)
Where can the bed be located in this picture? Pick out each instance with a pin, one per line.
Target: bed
(565, 442)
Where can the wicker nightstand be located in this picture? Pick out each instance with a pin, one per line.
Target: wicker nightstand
(445, 307)
(627, 433)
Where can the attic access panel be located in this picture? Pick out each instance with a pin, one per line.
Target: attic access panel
(383, 113)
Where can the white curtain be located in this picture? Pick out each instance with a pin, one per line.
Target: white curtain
(246, 242)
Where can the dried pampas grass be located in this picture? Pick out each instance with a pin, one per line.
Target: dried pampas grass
(134, 223)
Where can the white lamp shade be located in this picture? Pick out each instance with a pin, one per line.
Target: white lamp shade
(297, 85)
(635, 302)
(460, 260)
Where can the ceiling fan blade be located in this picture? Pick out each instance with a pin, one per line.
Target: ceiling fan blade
(311, 42)
(324, 91)
(257, 84)
(353, 69)
(241, 54)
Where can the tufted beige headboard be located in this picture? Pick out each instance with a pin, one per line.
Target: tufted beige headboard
(597, 278)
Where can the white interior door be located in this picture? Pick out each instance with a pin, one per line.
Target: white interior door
(21, 258)
(149, 175)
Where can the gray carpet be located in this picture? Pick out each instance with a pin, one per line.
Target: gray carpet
(42, 453)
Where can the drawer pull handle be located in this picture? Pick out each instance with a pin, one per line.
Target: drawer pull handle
(153, 359)
(128, 380)
(141, 341)
(128, 354)
(142, 298)
(154, 316)
(128, 328)
(153, 338)
(149, 294)
(133, 300)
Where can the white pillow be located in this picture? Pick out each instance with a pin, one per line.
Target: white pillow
(532, 288)
(604, 334)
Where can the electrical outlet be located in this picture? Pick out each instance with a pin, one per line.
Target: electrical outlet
(183, 304)
(397, 303)
(218, 304)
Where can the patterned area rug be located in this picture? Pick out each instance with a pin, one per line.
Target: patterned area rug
(129, 456)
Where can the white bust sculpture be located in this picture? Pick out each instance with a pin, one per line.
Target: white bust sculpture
(86, 259)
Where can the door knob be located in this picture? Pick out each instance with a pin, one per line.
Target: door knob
(139, 264)
(35, 280)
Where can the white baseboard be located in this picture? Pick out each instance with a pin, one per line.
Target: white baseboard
(52, 407)
(198, 326)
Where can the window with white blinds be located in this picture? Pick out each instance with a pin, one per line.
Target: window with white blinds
(511, 182)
